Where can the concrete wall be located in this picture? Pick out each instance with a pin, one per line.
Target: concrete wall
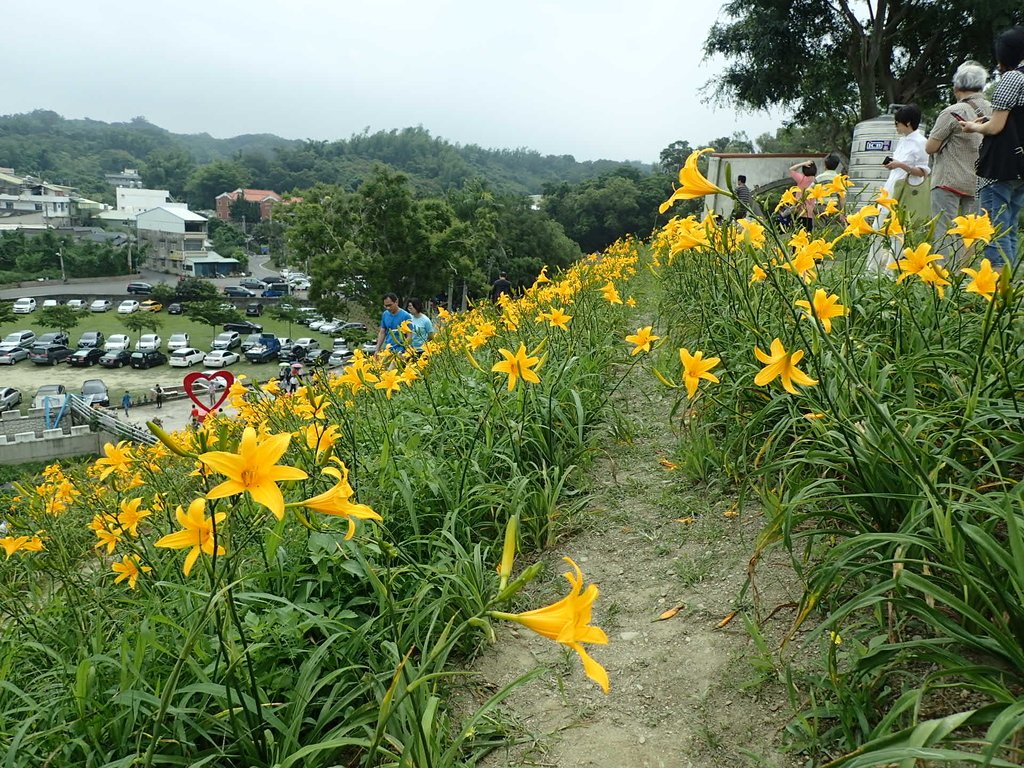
(53, 445)
(26, 438)
(766, 170)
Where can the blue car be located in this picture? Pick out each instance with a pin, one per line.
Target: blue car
(272, 293)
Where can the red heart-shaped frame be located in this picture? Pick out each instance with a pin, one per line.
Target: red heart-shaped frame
(225, 376)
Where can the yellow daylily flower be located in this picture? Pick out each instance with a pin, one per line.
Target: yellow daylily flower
(642, 339)
(789, 198)
(984, 280)
(568, 622)
(337, 501)
(753, 232)
(972, 227)
(914, 260)
(611, 295)
(390, 382)
(802, 265)
(935, 275)
(695, 368)
(757, 274)
(824, 307)
(857, 224)
(692, 183)
(254, 469)
(12, 544)
(542, 277)
(782, 363)
(831, 208)
(117, 458)
(518, 365)
(893, 227)
(557, 318)
(130, 516)
(129, 569)
(884, 199)
(197, 532)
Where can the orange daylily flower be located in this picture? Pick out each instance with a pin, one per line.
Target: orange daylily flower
(568, 622)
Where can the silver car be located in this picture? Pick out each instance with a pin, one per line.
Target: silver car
(10, 398)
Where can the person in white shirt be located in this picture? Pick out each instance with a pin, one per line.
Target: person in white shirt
(908, 172)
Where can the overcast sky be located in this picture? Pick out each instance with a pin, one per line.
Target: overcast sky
(595, 79)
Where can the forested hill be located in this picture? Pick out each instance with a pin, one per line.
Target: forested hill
(80, 152)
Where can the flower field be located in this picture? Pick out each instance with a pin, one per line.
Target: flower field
(302, 585)
(295, 587)
(881, 435)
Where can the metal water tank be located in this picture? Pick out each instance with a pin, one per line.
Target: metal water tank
(873, 141)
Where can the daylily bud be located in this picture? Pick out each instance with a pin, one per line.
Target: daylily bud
(168, 441)
(508, 554)
(524, 578)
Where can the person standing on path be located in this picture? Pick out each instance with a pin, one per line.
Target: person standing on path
(1001, 159)
(390, 335)
(501, 286)
(954, 182)
(745, 198)
(159, 396)
(126, 402)
(422, 328)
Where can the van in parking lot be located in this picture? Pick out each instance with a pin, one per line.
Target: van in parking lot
(24, 306)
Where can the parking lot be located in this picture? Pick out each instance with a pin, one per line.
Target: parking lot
(28, 376)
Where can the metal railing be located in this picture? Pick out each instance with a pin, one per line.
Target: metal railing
(109, 423)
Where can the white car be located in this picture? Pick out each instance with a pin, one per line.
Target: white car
(50, 303)
(301, 284)
(186, 357)
(127, 307)
(219, 358)
(117, 342)
(331, 326)
(76, 304)
(177, 341)
(24, 306)
(101, 305)
(148, 341)
(317, 324)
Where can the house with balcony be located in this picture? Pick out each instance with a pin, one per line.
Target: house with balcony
(173, 235)
(30, 202)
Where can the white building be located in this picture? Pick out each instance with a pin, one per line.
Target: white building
(28, 201)
(173, 235)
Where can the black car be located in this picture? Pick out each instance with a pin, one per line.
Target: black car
(237, 292)
(118, 358)
(54, 337)
(148, 358)
(177, 308)
(253, 309)
(245, 326)
(92, 340)
(49, 354)
(140, 289)
(86, 356)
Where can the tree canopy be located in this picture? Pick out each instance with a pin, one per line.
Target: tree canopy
(840, 61)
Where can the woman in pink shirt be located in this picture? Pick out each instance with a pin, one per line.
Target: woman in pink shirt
(804, 176)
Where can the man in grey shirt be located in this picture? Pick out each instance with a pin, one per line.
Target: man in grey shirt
(954, 183)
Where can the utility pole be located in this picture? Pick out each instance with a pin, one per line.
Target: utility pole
(60, 255)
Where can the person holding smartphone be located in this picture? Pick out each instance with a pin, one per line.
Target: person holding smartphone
(955, 153)
(1001, 158)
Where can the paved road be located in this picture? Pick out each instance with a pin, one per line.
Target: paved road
(112, 285)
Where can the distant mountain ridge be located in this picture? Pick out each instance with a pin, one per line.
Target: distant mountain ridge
(79, 152)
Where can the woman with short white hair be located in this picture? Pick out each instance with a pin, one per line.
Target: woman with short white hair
(954, 183)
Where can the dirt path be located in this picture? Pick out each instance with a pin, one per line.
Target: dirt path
(683, 693)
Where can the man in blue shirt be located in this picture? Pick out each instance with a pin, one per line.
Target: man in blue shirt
(390, 336)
